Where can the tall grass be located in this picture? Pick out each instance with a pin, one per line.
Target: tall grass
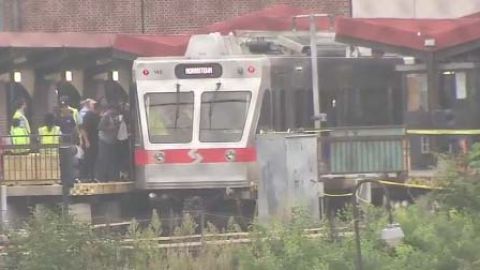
(434, 240)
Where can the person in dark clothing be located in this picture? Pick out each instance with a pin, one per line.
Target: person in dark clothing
(66, 122)
(107, 139)
(89, 134)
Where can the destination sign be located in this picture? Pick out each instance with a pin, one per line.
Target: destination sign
(198, 71)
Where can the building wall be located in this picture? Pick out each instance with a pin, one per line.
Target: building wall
(160, 16)
(414, 8)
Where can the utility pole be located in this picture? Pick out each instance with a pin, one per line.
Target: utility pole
(314, 60)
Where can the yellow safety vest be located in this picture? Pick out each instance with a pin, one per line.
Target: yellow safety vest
(23, 120)
(76, 115)
(20, 136)
(156, 125)
(51, 136)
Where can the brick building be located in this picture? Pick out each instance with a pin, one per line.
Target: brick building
(135, 16)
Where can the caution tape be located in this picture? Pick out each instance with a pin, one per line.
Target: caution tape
(443, 131)
(389, 183)
(407, 131)
(408, 185)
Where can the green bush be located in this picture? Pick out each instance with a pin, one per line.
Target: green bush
(440, 240)
(444, 237)
(52, 241)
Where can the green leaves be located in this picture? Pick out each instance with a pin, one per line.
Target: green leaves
(52, 241)
(443, 237)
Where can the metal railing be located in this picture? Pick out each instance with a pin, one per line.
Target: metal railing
(392, 153)
(341, 154)
(365, 154)
(25, 160)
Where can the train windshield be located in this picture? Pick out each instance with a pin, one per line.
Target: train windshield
(170, 117)
(223, 115)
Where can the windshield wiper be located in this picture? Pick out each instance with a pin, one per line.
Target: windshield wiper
(213, 100)
(177, 105)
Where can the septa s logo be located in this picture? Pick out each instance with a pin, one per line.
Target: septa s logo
(195, 156)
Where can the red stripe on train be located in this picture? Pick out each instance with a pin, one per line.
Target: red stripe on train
(188, 156)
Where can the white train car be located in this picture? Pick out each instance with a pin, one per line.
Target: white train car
(196, 120)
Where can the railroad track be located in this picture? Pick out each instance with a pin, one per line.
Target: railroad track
(221, 239)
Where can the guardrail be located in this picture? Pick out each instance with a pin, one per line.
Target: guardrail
(26, 161)
(395, 150)
(380, 150)
(365, 154)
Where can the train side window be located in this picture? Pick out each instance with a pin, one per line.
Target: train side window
(265, 121)
(169, 117)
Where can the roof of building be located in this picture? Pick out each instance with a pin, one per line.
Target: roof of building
(409, 34)
(271, 18)
(144, 45)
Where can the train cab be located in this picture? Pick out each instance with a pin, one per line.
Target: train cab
(197, 121)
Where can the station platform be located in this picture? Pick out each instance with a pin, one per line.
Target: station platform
(81, 189)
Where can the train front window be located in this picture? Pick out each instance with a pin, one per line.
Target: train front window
(223, 116)
(169, 117)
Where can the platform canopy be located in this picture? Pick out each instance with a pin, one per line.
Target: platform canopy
(50, 52)
(145, 45)
(442, 37)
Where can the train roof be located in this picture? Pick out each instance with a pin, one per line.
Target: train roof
(146, 60)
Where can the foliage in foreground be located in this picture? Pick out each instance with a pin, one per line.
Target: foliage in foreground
(434, 240)
(444, 237)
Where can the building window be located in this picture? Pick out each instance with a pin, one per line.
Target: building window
(417, 92)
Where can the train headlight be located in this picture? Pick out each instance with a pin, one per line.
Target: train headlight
(230, 155)
(160, 157)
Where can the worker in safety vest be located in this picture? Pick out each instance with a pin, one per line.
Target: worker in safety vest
(49, 132)
(64, 101)
(20, 136)
(156, 125)
(21, 106)
(49, 135)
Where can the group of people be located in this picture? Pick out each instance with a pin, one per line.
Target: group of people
(100, 133)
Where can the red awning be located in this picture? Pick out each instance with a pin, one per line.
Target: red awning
(141, 45)
(272, 18)
(410, 33)
(151, 45)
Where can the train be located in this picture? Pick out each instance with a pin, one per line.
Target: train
(197, 117)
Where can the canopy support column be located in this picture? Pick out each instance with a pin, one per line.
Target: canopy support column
(432, 82)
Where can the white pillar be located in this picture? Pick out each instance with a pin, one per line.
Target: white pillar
(3, 205)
